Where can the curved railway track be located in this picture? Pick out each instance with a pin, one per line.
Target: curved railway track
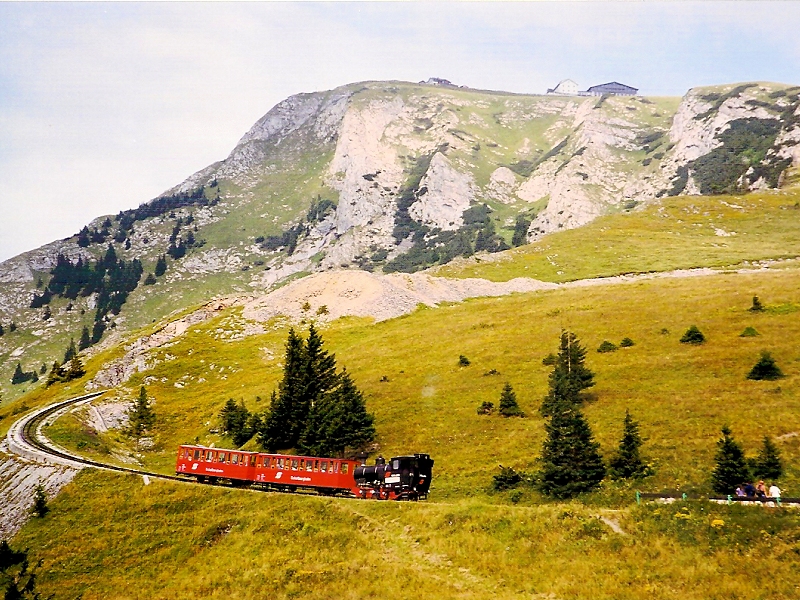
(26, 439)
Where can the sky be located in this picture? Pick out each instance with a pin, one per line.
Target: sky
(103, 106)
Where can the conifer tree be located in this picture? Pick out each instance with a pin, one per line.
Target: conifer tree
(18, 376)
(85, 340)
(693, 336)
(2, 331)
(571, 461)
(765, 369)
(508, 406)
(731, 467)
(628, 463)
(70, 351)
(75, 369)
(161, 266)
(768, 464)
(39, 508)
(56, 374)
(281, 428)
(569, 377)
(141, 416)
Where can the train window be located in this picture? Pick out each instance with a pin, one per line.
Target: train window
(275, 463)
(396, 464)
(316, 466)
(246, 460)
(209, 456)
(196, 454)
(280, 463)
(335, 467)
(294, 464)
(344, 468)
(235, 459)
(324, 466)
(302, 464)
(309, 465)
(221, 457)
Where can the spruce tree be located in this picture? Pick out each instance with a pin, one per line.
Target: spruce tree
(768, 464)
(508, 403)
(141, 416)
(731, 467)
(693, 336)
(571, 461)
(284, 422)
(56, 374)
(765, 369)
(85, 340)
(569, 377)
(344, 423)
(628, 463)
(161, 266)
(2, 331)
(70, 351)
(39, 508)
(18, 376)
(75, 369)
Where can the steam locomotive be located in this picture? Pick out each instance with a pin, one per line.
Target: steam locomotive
(401, 478)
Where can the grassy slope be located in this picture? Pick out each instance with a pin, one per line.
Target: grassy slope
(674, 233)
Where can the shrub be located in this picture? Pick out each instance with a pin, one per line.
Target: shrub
(463, 360)
(693, 336)
(756, 306)
(507, 479)
(607, 346)
(486, 408)
(749, 332)
(39, 508)
(626, 343)
(765, 368)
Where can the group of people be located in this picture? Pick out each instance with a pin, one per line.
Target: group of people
(748, 490)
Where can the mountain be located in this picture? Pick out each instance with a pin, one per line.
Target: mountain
(393, 177)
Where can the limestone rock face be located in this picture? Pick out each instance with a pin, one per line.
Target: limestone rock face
(447, 194)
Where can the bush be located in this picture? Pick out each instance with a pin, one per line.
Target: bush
(757, 306)
(626, 343)
(507, 479)
(463, 360)
(486, 408)
(765, 368)
(749, 332)
(607, 346)
(693, 336)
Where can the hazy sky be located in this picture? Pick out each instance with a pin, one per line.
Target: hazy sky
(105, 106)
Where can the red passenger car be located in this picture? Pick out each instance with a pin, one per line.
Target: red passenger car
(214, 463)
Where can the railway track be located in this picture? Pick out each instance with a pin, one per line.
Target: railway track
(25, 438)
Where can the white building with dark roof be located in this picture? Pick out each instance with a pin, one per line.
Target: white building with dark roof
(567, 87)
(613, 88)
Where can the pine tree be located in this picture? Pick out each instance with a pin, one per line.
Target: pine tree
(731, 467)
(18, 376)
(520, 236)
(236, 422)
(2, 331)
(343, 421)
(628, 463)
(569, 376)
(765, 369)
(508, 403)
(97, 330)
(56, 374)
(70, 351)
(280, 428)
(768, 464)
(85, 340)
(39, 508)
(141, 416)
(571, 461)
(693, 336)
(75, 369)
(161, 266)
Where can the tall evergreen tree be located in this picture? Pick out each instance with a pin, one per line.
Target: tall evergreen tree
(731, 466)
(85, 340)
(628, 463)
(18, 376)
(569, 377)
(281, 429)
(2, 331)
(56, 374)
(141, 416)
(161, 266)
(508, 406)
(571, 461)
(39, 508)
(768, 464)
(75, 369)
(70, 351)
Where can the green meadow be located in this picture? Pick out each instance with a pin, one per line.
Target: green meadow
(110, 536)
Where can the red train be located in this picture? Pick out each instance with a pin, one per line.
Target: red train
(402, 478)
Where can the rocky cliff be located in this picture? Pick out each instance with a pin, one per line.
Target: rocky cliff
(397, 177)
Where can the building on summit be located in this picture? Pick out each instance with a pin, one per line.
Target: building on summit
(614, 88)
(567, 87)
